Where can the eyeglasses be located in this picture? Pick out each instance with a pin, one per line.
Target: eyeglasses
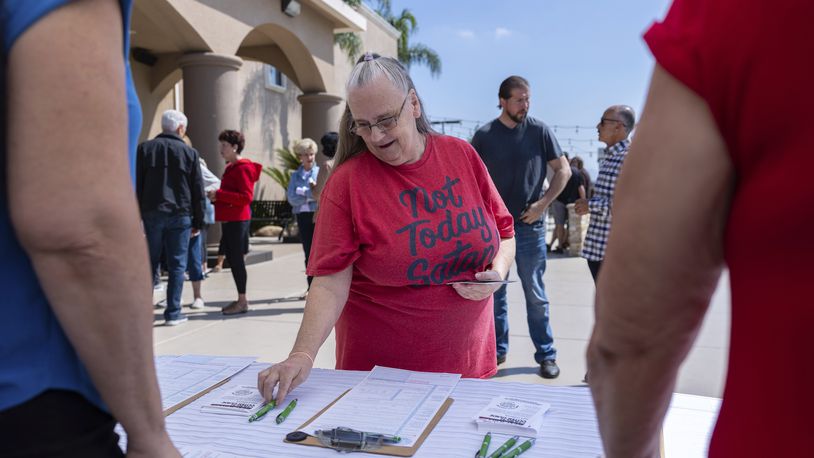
(365, 129)
(604, 120)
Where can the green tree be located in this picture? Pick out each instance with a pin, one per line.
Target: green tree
(350, 42)
(408, 54)
(290, 163)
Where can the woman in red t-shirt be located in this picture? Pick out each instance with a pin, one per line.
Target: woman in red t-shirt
(404, 213)
(232, 209)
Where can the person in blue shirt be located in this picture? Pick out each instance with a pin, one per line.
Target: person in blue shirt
(76, 351)
(300, 193)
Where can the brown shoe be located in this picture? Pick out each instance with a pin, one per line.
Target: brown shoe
(235, 308)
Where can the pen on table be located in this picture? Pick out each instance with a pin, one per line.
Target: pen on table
(520, 449)
(484, 447)
(386, 437)
(284, 414)
(263, 410)
(506, 445)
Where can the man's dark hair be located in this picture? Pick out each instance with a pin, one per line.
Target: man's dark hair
(329, 142)
(511, 83)
(233, 138)
(578, 163)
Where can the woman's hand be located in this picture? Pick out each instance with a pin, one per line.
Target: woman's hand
(286, 376)
(475, 292)
(212, 195)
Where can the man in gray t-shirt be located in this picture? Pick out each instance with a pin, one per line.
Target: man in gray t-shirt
(517, 150)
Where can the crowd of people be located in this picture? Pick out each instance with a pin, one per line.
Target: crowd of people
(417, 263)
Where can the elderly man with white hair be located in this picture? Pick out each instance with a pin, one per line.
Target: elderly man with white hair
(171, 198)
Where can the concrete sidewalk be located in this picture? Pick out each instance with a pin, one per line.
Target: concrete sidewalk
(275, 287)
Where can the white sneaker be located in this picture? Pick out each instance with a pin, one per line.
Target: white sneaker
(177, 321)
(162, 304)
(159, 287)
(197, 304)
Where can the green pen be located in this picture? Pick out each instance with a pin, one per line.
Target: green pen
(506, 445)
(385, 437)
(263, 410)
(520, 449)
(484, 446)
(284, 414)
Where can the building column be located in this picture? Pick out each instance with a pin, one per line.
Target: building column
(321, 113)
(211, 103)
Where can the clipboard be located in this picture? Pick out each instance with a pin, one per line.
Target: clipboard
(392, 450)
(172, 409)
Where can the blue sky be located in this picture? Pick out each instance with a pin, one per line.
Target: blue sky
(580, 57)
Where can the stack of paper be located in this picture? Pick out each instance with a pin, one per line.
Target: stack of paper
(241, 400)
(510, 415)
(185, 378)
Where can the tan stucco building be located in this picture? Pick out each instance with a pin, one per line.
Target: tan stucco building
(247, 65)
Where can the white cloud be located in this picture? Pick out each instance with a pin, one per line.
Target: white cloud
(466, 34)
(502, 32)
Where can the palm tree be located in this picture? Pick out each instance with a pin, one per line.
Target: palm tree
(407, 24)
(350, 42)
(290, 163)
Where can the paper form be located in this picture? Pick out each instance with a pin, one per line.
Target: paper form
(390, 401)
(196, 452)
(181, 377)
(569, 429)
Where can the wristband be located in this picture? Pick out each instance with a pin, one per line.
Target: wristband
(302, 353)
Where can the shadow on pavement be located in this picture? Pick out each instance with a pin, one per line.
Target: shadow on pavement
(517, 371)
(212, 311)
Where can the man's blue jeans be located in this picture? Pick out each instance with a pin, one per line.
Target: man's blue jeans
(530, 259)
(196, 256)
(172, 233)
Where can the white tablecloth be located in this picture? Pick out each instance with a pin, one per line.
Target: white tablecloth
(569, 430)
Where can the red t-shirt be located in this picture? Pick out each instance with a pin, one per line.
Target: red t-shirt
(753, 61)
(408, 230)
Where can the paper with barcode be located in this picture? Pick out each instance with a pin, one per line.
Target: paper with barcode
(241, 400)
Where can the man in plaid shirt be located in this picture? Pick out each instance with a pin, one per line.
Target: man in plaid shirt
(614, 129)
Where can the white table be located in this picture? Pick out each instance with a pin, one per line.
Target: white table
(570, 428)
(688, 425)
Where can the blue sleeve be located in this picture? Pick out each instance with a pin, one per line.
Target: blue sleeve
(22, 14)
(294, 199)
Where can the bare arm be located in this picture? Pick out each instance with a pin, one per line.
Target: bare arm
(68, 131)
(581, 192)
(663, 261)
(325, 302)
(562, 172)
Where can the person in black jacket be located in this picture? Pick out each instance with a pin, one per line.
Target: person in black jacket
(171, 198)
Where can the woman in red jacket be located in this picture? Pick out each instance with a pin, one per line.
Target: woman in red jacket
(232, 209)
